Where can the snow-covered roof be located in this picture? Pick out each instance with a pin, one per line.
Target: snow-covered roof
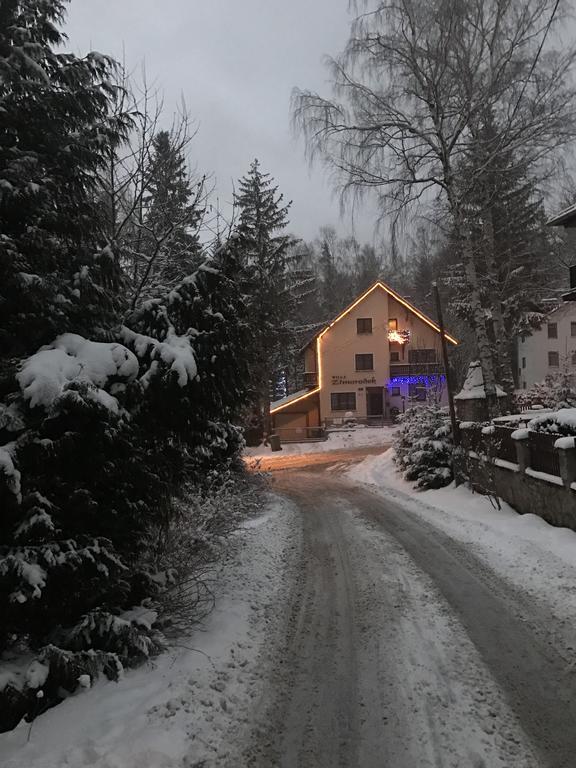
(565, 216)
(473, 388)
(290, 398)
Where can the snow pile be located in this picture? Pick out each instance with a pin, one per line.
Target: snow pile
(71, 358)
(175, 351)
(473, 388)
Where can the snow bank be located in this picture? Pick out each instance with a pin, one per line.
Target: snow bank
(45, 375)
(524, 549)
(191, 706)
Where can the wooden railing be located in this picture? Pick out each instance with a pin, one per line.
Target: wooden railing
(310, 379)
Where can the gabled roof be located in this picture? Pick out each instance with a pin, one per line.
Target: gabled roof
(390, 292)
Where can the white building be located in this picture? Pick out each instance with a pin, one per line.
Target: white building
(551, 349)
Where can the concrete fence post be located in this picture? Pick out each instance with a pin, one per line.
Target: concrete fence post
(567, 456)
(520, 438)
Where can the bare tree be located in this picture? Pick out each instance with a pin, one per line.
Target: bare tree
(412, 89)
(157, 241)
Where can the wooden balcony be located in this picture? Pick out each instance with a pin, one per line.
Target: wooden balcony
(310, 379)
(416, 369)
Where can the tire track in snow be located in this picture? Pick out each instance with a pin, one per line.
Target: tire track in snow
(376, 669)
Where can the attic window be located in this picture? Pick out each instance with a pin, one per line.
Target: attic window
(364, 325)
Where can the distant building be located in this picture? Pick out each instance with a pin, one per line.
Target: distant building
(377, 356)
(552, 349)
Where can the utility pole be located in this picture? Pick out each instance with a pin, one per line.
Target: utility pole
(455, 429)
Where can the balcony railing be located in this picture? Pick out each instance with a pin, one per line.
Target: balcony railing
(310, 379)
(415, 369)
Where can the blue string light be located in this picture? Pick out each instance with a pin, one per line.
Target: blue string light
(428, 381)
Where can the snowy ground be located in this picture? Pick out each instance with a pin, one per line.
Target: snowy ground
(357, 437)
(190, 709)
(524, 549)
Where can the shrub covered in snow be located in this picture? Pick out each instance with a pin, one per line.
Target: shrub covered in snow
(561, 423)
(558, 390)
(423, 447)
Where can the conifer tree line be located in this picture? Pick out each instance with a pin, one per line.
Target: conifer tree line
(136, 334)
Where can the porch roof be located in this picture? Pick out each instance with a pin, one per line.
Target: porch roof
(278, 405)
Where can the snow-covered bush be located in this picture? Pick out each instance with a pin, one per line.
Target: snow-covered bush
(423, 448)
(561, 423)
(558, 390)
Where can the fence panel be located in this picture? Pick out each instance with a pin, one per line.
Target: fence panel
(543, 457)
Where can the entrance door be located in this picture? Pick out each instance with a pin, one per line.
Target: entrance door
(374, 401)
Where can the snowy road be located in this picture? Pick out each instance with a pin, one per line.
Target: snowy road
(401, 649)
(353, 629)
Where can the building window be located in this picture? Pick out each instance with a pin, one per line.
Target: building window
(395, 392)
(394, 357)
(573, 358)
(523, 362)
(392, 324)
(552, 330)
(421, 355)
(572, 329)
(553, 359)
(364, 362)
(364, 325)
(417, 392)
(523, 385)
(343, 401)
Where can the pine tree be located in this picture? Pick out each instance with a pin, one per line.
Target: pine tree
(272, 281)
(511, 249)
(54, 123)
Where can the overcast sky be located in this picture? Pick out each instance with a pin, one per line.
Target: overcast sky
(235, 62)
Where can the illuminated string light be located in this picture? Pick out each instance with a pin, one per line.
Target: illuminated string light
(428, 381)
(399, 337)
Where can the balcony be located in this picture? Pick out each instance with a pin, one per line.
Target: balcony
(415, 369)
(310, 379)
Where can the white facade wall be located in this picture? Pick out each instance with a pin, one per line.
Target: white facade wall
(538, 353)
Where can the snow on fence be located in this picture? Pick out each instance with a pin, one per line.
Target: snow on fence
(534, 471)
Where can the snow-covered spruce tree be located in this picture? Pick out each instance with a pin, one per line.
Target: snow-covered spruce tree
(75, 493)
(272, 280)
(54, 121)
(77, 498)
(423, 448)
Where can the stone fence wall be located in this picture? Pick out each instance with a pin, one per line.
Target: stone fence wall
(529, 473)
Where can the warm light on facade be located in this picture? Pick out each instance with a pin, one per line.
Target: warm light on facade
(400, 300)
(399, 337)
